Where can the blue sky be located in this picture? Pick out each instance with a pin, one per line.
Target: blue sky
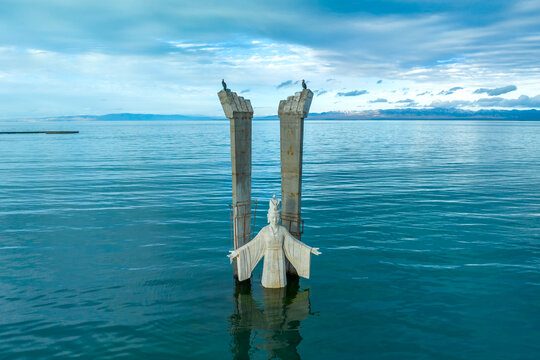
(65, 57)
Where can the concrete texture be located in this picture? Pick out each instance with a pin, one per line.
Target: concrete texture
(240, 113)
(291, 113)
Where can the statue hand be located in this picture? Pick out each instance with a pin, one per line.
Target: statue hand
(315, 251)
(232, 255)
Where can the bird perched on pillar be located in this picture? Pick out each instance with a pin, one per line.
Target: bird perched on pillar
(304, 85)
(224, 84)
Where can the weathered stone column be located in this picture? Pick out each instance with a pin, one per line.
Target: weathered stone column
(291, 113)
(240, 113)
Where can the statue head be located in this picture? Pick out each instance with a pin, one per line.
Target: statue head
(274, 216)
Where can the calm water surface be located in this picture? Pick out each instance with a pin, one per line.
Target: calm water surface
(113, 242)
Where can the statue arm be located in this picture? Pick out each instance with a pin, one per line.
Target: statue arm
(289, 237)
(298, 253)
(233, 254)
(253, 243)
(248, 256)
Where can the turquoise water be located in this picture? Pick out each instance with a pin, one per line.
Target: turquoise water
(113, 242)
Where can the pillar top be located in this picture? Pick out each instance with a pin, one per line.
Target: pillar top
(297, 105)
(234, 105)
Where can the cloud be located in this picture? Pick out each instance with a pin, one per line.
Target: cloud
(138, 26)
(422, 45)
(450, 91)
(523, 101)
(450, 104)
(379, 100)
(423, 93)
(448, 35)
(319, 92)
(285, 84)
(352, 93)
(58, 83)
(245, 91)
(406, 102)
(496, 91)
(379, 81)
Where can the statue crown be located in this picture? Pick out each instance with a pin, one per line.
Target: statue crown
(274, 204)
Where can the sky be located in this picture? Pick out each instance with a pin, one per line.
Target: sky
(66, 57)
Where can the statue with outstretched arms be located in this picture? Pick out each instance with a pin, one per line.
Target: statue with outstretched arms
(274, 242)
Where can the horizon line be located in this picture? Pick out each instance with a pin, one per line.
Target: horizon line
(361, 114)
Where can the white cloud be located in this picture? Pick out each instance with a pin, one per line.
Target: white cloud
(523, 101)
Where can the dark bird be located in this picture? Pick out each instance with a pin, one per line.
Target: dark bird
(304, 85)
(224, 84)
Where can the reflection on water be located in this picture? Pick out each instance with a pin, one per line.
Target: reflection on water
(273, 325)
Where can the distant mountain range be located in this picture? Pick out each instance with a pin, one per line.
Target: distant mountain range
(427, 114)
(390, 114)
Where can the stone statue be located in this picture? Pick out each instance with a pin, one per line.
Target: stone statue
(275, 243)
(224, 84)
(304, 86)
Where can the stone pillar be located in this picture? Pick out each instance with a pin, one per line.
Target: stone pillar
(291, 113)
(240, 113)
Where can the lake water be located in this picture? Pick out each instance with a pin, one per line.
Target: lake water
(113, 242)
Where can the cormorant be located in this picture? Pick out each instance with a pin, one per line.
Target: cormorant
(304, 85)
(224, 84)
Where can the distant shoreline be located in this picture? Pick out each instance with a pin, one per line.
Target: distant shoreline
(391, 114)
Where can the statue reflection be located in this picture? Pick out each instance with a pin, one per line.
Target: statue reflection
(274, 326)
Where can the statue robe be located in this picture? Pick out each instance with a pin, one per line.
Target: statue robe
(274, 245)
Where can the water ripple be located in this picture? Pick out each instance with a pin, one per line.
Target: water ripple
(113, 242)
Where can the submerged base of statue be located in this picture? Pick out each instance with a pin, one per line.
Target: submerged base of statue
(272, 324)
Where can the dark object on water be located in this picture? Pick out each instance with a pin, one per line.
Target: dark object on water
(39, 132)
(304, 85)
(224, 84)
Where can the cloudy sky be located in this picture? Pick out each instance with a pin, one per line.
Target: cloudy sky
(66, 57)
